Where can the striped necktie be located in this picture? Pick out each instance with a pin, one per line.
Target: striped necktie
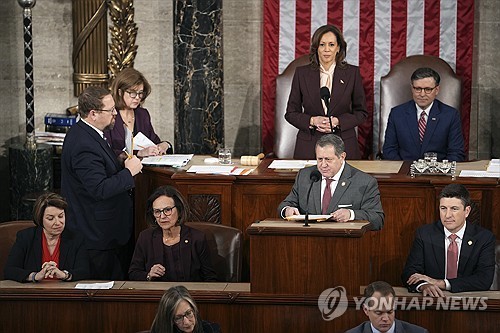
(422, 123)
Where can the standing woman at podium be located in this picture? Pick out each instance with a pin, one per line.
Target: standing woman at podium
(130, 90)
(339, 107)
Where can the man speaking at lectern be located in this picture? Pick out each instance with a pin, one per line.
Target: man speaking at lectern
(338, 189)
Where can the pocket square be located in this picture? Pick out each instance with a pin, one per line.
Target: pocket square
(345, 206)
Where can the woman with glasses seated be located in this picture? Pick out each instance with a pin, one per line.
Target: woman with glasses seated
(170, 250)
(178, 312)
(48, 251)
(130, 89)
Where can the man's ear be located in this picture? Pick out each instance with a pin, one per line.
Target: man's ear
(365, 309)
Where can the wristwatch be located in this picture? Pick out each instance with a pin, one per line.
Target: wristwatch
(148, 278)
(67, 276)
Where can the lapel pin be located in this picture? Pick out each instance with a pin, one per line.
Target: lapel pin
(343, 183)
(433, 119)
(342, 81)
(186, 241)
(469, 242)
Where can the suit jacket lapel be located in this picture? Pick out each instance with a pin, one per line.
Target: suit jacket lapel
(432, 122)
(437, 240)
(64, 249)
(316, 197)
(340, 80)
(342, 186)
(468, 243)
(37, 246)
(157, 245)
(185, 244)
(313, 90)
(411, 120)
(100, 140)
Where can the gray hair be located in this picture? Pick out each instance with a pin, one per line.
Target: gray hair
(332, 140)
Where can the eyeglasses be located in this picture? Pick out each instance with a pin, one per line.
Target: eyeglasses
(113, 109)
(189, 314)
(134, 94)
(418, 90)
(167, 211)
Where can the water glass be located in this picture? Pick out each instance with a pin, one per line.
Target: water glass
(430, 157)
(225, 156)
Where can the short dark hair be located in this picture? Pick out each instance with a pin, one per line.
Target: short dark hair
(126, 79)
(45, 200)
(164, 319)
(425, 72)
(91, 99)
(456, 191)
(332, 140)
(180, 204)
(384, 288)
(316, 38)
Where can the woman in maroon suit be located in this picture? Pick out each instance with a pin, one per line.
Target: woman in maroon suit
(306, 109)
(130, 89)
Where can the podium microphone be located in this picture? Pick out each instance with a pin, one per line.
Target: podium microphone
(314, 177)
(324, 92)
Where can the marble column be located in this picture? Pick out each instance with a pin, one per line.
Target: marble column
(30, 175)
(198, 76)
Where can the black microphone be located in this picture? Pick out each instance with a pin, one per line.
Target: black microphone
(324, 92)
(314, 177)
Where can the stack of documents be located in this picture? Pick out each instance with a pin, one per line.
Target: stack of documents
(492, 170)
(175, 160)
(220, 170)
(291, 164)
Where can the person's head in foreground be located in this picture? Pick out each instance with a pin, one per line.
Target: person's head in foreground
(330, 154)
(454, 206)
(379, 305)
(177, 312)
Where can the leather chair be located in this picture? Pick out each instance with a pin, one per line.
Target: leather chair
(225, 245)
(395, 87)
(284, 133)
(8, 231)
(496, 278)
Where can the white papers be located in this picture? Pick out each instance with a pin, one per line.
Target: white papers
(212, 169)
(291, 164)
(494, 165)
(175, 160)
(311, 217)
(51, 138)
(98, 285)
(141, 141)
(475, 173)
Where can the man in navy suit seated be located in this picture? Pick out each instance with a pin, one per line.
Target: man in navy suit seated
(424, 124)
(379, 307)
(451, 254)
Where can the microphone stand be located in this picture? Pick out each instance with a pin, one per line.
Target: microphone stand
(325, 95)
(306, 218)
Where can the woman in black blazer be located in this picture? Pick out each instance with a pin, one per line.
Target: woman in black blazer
(48, 251)
(170, 250)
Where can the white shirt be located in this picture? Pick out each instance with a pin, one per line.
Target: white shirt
(420, 110)
(391, 330)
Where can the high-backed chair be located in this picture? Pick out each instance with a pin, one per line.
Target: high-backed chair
(284, 133)
(8, 231)
(395, 87)
(225, 245)
(496, 278)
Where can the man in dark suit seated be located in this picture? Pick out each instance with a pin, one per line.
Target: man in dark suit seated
(343, 191)
(451, 254)
(379, 307)
(424, 124)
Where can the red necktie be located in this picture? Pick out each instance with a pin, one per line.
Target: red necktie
(452, 258)
(421, 125)
(327, 196)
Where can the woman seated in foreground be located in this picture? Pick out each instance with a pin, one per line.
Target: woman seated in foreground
(170, 250)
(48, 251)
(178, 312)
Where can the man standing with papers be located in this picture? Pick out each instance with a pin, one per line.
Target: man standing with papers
(339, 189)
(97, 187)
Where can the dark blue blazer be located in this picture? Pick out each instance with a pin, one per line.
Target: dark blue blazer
(97, 188)
(476, 265)
(401, 327)
(443, 134)
(25, 256)
(195, 255)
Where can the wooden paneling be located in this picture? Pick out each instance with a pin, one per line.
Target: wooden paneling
(408, 203)
(125, 310)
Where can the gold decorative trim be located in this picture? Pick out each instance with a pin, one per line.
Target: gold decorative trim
(123, 35)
